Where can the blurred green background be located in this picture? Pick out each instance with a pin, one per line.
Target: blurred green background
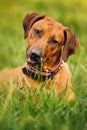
(50, 113)
(72, 13)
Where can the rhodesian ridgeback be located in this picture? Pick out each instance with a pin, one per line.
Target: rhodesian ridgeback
(49, 45)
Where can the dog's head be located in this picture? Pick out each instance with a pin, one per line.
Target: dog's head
(48, 41)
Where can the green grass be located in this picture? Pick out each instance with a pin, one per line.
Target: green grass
(19, 112)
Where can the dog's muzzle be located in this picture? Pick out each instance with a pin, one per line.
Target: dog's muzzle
(34, 66)
(34, 57)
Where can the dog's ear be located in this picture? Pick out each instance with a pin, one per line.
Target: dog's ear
(29, 20)
(70, 44)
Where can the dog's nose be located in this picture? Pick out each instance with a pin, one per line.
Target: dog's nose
(36, 55)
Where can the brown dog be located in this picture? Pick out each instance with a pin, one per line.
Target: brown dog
(49, 46)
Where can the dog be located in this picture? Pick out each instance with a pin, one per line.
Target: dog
(49, 46)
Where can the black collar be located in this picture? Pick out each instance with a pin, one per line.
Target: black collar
(41, 75)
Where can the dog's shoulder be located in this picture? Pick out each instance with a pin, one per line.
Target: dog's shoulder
(10, 75)
(65, 70)
(63, 77)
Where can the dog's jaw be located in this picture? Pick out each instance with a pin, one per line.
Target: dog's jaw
(41, 75)
(36, 74)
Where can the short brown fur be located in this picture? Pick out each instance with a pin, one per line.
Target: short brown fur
(54, 41)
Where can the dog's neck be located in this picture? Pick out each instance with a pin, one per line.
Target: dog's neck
(41, 76)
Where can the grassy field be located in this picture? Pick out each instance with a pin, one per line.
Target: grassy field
(17, 113)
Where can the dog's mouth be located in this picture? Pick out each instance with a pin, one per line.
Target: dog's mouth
(37, 68)
(37, 72)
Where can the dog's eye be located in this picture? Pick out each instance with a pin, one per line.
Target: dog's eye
(37, 32)
(53, 41)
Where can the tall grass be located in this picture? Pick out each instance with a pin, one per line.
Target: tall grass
(20, 112)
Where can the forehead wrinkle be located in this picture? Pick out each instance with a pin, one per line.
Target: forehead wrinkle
(55, 28)
(50, 28)
(46, 23)
(56, 34)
